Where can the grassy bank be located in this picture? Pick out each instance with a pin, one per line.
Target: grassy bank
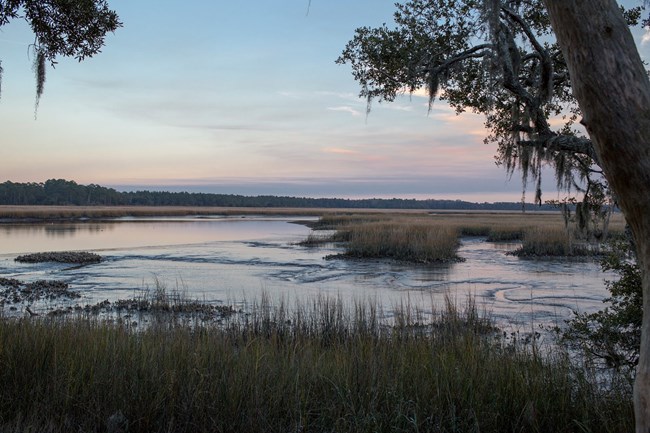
(323, 367)
(553, 242)
(98, 212)
(434, 237)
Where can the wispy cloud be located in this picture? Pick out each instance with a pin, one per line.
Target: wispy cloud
(346, 109)
(398, 107)
(290, 94)
(346, 96)
(646, 36)
(340, 151)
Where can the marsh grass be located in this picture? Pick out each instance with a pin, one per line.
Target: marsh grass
(417, 241)
(506, 234)
(99, 212)
(317, 367)
(430, 238)
(553, 242)
(317, 238)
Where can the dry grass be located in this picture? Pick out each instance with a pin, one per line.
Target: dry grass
(553, 242)
(320, 367)
(417, 241)
(414, 235)
(468, 221)
(66, 212)
(433, 237)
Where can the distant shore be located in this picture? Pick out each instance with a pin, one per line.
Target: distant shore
(11, 213)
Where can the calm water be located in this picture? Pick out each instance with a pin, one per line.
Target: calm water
(231, 260)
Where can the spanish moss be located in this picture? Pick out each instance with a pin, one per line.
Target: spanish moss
(39, 70)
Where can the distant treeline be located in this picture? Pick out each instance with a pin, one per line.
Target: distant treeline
(66, 192)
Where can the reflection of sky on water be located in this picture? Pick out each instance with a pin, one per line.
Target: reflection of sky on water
(235, 259)
(123, 233)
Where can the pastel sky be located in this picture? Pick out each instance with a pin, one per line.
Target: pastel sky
(237, 97)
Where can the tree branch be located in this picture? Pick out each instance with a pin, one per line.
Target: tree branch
(545, 85)
(565, 143)
(467, 54)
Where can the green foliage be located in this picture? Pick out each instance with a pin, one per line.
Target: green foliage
(613, 335)
(496, 58)
(61, 28)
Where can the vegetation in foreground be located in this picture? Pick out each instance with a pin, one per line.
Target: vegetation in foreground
(319, 368)
(611, 337)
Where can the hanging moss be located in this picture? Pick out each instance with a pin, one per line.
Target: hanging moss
(39, 71)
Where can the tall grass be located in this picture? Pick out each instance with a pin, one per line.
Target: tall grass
(322, 367)
(552, 242)
(417, 241)
(430, 238)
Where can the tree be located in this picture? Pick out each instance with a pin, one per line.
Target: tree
(612, 86)
(611, 337)
(488, 57)
(68, 28)
(497, 58)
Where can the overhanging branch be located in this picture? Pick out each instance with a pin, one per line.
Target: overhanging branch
(565, 143)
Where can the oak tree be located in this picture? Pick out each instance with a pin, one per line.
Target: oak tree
(499, 59)
(612, 87)
(521, 63)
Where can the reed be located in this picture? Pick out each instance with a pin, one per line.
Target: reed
(429, 238)
(417, 241)
(315, 239)
(317, 367)
(552, 242)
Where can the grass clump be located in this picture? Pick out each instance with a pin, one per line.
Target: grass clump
(320, 367)
(432, 238)
(505, 235)
(418, 241)
(315, 239)
(552, 242)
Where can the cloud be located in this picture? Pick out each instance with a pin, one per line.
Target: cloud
(398, 107)
(646, 36)
(346, 109)
(346, 96)
(340, 151)
(290, 94)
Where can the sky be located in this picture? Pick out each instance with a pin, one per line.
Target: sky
(238, 98)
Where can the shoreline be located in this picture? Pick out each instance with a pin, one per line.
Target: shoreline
(13, 214)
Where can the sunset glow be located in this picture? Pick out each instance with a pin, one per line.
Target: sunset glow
(237, 97)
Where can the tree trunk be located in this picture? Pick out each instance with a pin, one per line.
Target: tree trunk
(612, 87)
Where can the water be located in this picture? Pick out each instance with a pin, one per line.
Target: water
(230, 260)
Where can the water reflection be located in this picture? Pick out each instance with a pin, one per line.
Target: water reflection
(230, 260)
(128, 233)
